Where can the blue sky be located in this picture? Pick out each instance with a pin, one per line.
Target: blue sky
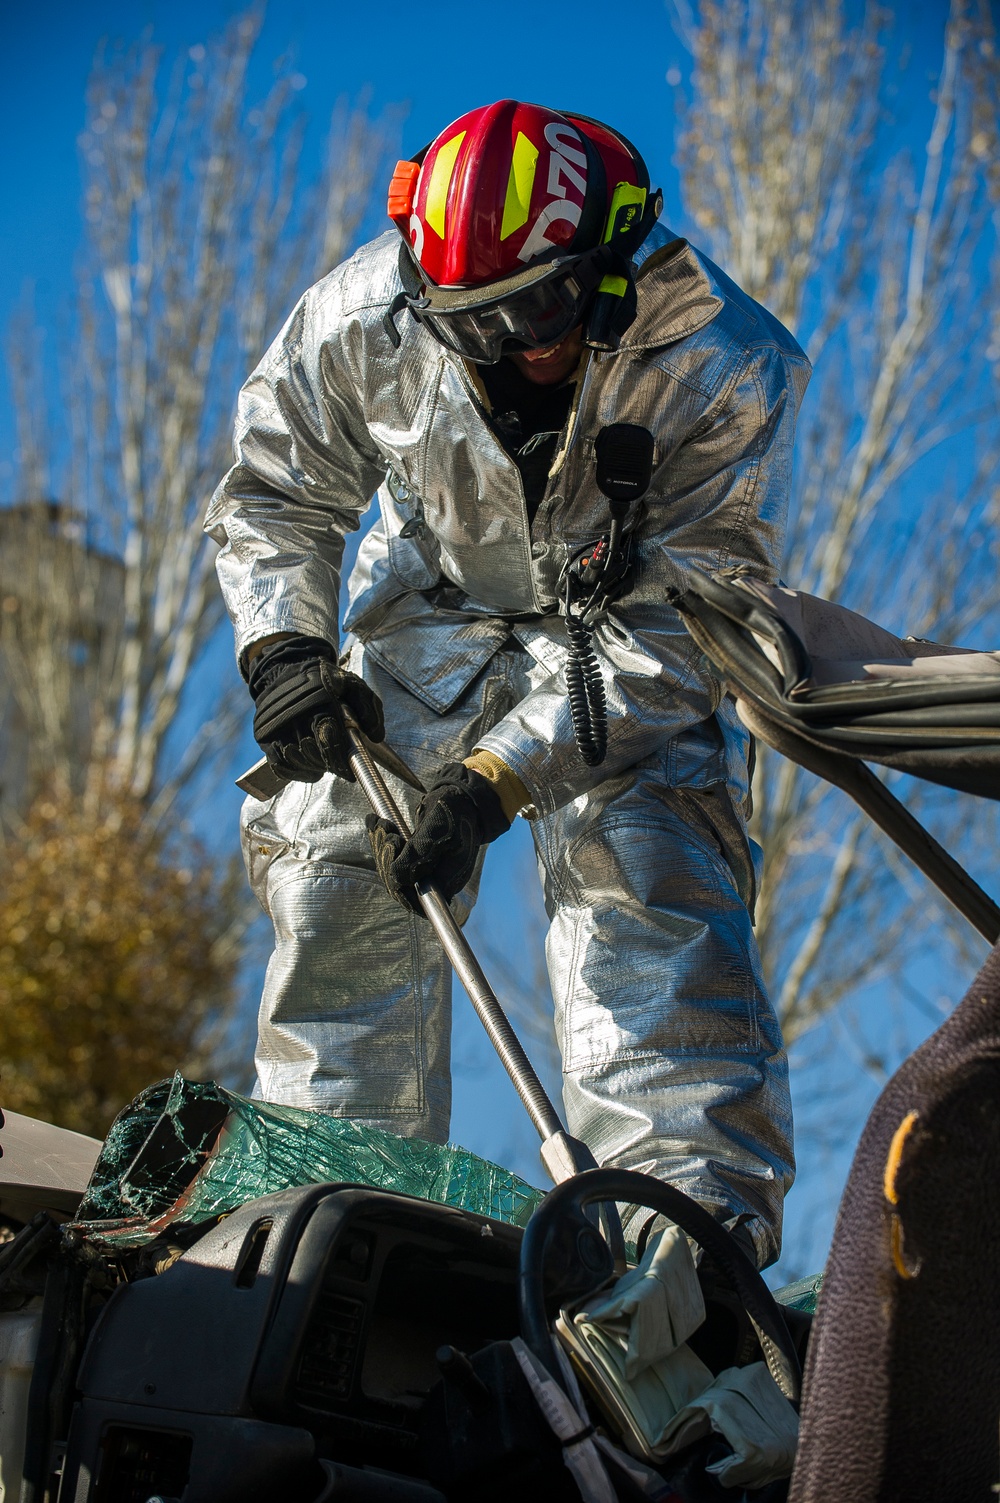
(439, 59)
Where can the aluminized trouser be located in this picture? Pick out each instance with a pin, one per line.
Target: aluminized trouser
(672, 1056)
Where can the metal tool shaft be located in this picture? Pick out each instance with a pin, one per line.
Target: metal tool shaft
(502, 1036)
(562, 1155)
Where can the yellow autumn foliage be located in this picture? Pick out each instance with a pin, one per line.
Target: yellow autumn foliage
(114, 963)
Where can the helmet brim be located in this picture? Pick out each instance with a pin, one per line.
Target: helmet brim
(458, 299)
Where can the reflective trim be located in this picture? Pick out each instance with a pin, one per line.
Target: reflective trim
(437, 189)
(517, 204)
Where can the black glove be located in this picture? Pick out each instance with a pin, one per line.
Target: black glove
(299, 688)
(459, 813)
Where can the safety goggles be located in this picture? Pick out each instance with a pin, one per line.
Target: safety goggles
(532, 309)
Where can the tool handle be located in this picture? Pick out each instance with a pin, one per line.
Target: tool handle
(467, 968)
(563, 1156)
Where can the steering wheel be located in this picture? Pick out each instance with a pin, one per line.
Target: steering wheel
(574, 1195)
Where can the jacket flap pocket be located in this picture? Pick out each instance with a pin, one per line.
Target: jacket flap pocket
(435, 654)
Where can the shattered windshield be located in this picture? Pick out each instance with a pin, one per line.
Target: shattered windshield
(190, 1152)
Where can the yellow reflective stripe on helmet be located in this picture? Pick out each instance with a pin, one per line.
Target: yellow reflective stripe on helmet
(617, 285)
(627, 204)
(519, 185)
(437, 188)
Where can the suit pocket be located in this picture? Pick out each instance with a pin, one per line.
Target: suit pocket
(262, 844)
(434, 653)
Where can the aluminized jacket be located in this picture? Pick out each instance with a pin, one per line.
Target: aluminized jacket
(334, 412)
(452, 575)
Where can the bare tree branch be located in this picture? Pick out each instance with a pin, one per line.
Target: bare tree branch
(200, 233)
(887, 271)
(201, 229)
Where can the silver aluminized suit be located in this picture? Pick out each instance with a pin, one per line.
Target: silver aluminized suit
(672, 1057)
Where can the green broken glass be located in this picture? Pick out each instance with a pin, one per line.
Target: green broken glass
(802, 1295)
(188, 1152)
(185, 1151)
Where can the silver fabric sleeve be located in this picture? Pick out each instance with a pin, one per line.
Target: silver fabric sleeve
(305, 470)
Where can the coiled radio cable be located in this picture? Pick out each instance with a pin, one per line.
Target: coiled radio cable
(588, 703)
(624, 459)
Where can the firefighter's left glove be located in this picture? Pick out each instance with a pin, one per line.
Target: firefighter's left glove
(457, 816)
(300, 691)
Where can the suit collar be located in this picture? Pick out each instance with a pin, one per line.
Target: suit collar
(676, 297)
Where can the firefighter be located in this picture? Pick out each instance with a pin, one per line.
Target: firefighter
(465, 366)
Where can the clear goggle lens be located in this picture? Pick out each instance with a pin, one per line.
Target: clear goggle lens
(531, 318)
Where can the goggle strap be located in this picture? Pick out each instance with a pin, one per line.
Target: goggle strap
(390, 315)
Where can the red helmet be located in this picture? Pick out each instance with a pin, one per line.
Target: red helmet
(513, 219)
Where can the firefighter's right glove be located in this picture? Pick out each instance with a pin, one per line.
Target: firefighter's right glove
(300, 690)
(459, 813)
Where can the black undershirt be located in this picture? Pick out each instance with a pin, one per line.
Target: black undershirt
(528, 419)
